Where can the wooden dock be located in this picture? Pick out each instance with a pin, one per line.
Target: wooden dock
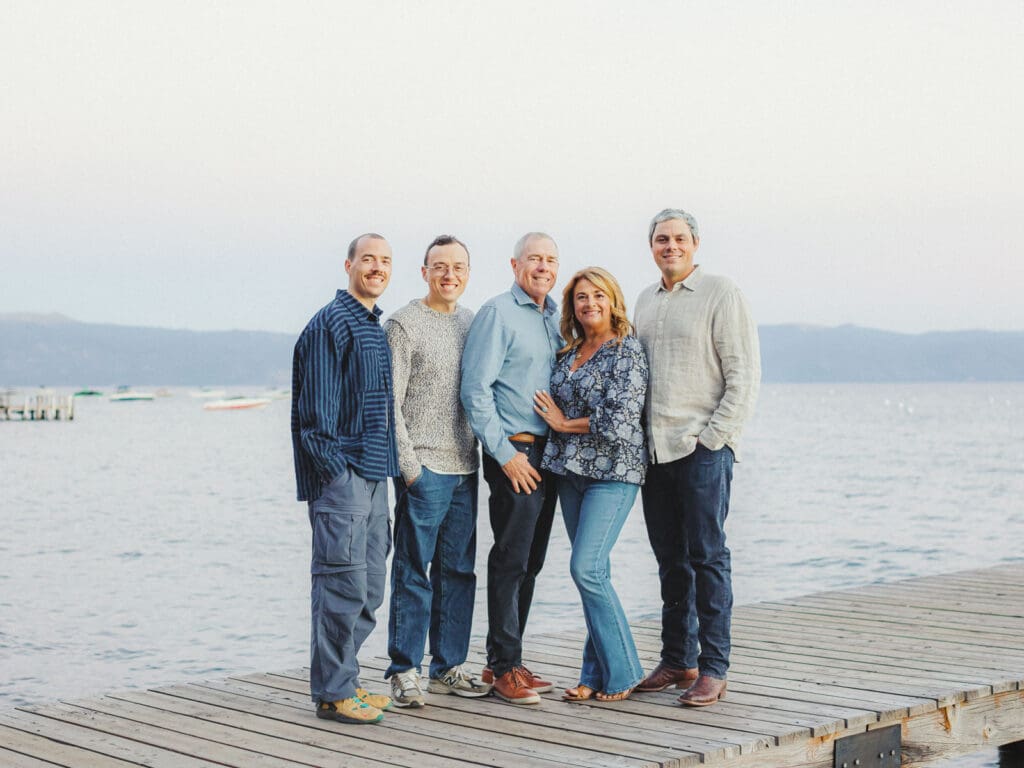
(940, 658)
(45, 407)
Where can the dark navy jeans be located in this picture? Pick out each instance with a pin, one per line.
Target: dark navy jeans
(433, 583)
(351, 541)
(521, 524)
(686, 503)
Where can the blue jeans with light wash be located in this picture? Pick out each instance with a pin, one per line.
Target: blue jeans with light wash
(685, 505)
(594, 513)
(435, 528)
(351, 541)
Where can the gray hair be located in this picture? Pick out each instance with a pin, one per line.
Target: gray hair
(355, 243)
(520, 246)
(673, 213)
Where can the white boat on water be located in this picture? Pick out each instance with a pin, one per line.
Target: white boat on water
(129, 395)
(236, 403)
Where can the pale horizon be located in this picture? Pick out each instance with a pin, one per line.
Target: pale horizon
(204, 166)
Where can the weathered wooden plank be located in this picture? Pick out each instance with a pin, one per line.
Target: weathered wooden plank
(978, 638)
(326, 736)
(964, 729)
(365, 741)
(161, 738)
(10, 759)
(621, 724)
(895, 650)
(903, 615)
(916, 672)
(271, 748)
(499, 749)
(917, 610)
(75, 746)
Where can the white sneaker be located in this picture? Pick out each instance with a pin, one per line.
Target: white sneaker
(405, 689)
(456, 680)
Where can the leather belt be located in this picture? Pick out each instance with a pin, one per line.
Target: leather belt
(526, 437)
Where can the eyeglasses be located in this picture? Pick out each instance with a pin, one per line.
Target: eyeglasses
(440, 270)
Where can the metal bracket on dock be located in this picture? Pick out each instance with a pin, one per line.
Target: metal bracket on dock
(872, 749)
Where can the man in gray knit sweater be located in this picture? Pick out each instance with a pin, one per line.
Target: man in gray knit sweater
(436, 496)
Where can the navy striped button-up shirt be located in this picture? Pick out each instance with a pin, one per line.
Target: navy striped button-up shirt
(342, 402)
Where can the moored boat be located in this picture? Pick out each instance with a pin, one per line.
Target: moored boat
(236, 403)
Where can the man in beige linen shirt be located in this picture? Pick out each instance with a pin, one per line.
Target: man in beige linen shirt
(702, 347)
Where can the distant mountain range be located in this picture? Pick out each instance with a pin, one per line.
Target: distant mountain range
(57, 351)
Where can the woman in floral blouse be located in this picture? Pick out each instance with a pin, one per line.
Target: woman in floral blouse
(597, 447)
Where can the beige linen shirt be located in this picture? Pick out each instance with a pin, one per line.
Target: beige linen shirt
(702, 347)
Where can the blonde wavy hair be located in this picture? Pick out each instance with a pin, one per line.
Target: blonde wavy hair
(602, 279)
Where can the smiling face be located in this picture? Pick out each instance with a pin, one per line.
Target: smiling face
(446, 274)
(592, 308)
(537, 268)
(673, 247)
(369, 271)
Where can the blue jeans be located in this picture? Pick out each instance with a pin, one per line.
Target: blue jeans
(685, 505)
(594, 513)
(351, 542)
(435, 526)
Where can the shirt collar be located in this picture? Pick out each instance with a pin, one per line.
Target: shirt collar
(522, 298)
(690, 282)
(356, 307)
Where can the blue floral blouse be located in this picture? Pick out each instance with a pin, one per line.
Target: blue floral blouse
(609, 388)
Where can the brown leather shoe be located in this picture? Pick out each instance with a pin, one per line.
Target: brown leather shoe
(663, 676)
(707, 690)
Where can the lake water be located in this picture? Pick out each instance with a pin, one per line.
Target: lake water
(153, 542)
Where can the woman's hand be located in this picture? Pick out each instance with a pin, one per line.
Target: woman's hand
(545, 407)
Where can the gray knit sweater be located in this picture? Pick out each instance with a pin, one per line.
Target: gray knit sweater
(426, 356)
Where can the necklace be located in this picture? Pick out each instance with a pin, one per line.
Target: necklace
(587, 350)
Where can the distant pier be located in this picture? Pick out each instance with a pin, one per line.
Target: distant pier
(902, 674)
(39, 407)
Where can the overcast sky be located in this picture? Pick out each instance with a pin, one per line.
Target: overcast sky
(204, 164)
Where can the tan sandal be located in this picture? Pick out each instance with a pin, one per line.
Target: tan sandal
(580, 693)
(620, 696)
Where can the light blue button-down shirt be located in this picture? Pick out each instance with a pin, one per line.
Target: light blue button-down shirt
(509, 354)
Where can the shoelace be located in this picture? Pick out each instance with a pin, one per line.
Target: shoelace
(455, 675)
(519, 678)
(408, 683)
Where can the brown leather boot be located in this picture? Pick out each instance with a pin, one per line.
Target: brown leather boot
(706, 691)
(663, 676)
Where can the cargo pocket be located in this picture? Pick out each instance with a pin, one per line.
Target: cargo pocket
(339, 540)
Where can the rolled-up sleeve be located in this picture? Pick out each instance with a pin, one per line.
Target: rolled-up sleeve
(318, 403)
(734, 335)
(482, 362)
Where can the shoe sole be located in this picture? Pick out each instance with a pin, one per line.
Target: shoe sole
(686, 703)
(414, 704)
(340, 718)
(523, 700)
(682, 685)
(444, 690)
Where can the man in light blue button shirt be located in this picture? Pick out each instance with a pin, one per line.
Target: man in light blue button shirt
(509, 354)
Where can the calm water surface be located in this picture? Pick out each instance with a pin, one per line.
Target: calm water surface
(153, 542)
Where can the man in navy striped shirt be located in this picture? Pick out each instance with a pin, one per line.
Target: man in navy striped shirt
(343, 438)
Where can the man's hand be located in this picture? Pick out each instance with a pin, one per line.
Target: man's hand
(524, 477)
